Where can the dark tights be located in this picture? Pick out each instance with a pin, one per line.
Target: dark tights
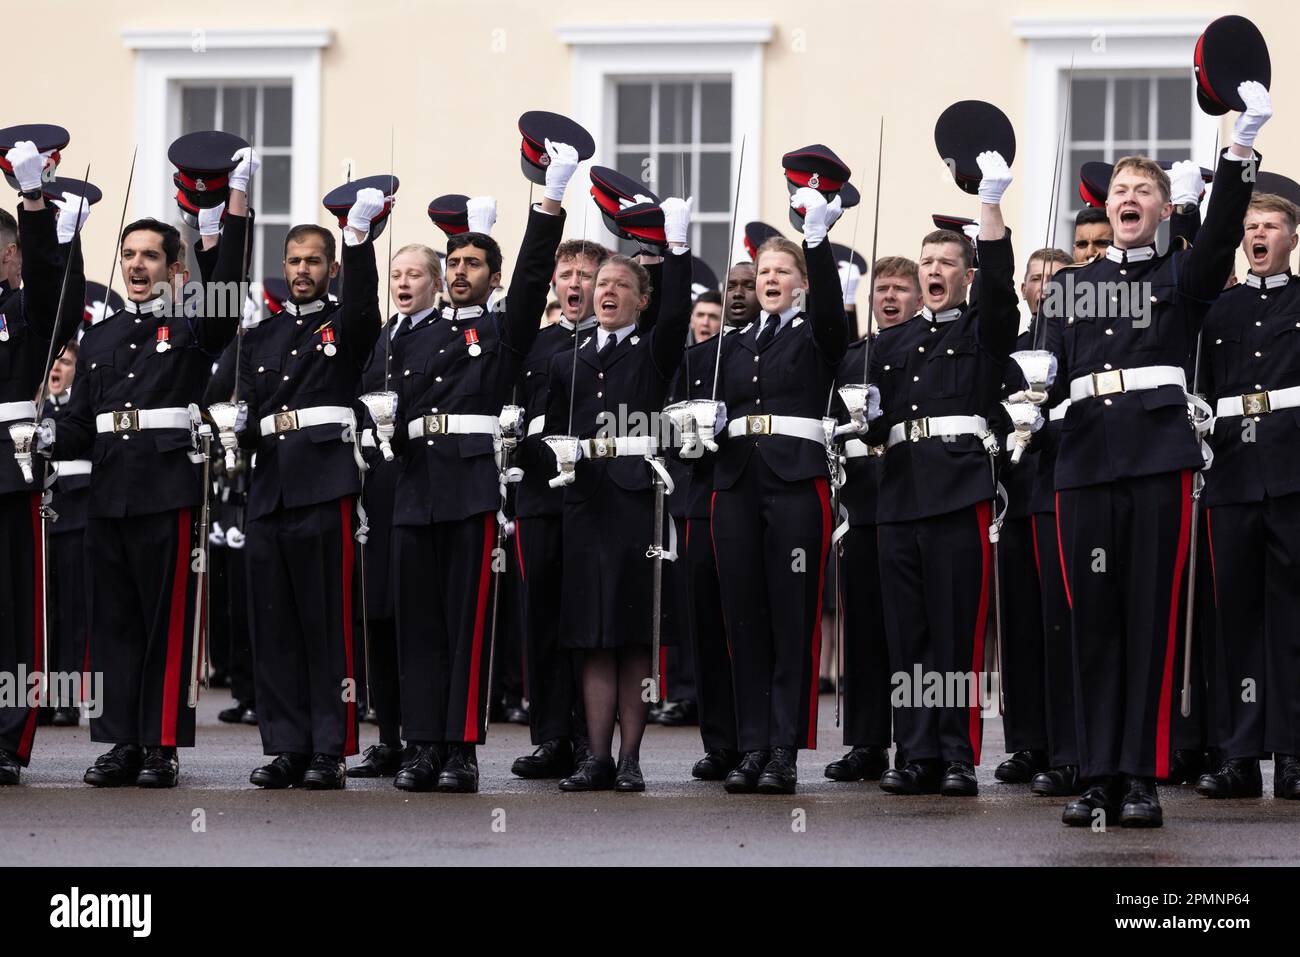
(612, 685)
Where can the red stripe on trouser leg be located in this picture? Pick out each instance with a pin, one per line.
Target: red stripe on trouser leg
(713, 542)
(1033, 535)
(345, 543)
(1060, 551)
(1165, 705)
(38, 658)
(476, 647)
(984, 517)
(1214, 578)
(176, 631)
(824, 499)
(519, 547)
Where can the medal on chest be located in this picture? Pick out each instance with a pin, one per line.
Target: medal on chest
(471, 342)
(4, 328)
(163, 339)
(327, 339)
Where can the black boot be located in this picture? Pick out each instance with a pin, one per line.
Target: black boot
(860, 764)
(10, 768)
(917, 777)
(780, 776)
(552, 759)
(1021, 767)
(1236, 778)
(379, 761)
(66, 718)
(118, 768)
(1102, 795)
(744, 777)
(628, 776)
(595, 774)
(420, 770)
(1141, 805)
(1286, 777)
(1185, 767)
(1057, 782)
(285, 771)
(327, 772)
(237, 714)
(715, 765)
(460, 773)
(959, 780)
(160, 768)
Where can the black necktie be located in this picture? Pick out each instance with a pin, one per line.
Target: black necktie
(768, 332)
(607, 350)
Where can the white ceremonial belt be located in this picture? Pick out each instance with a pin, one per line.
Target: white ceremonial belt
(17, 411)
(617, 446)
(791, 425)
(937, 426)
(134, 420)
(443, 423)
(1258, 403)
(536, 424)
(1058, 411)
(1114, 381)
(856, 449)
(72, 467)
(294, 419)
(368, 439)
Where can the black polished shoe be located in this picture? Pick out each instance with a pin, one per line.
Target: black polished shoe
(628, 776)
(66, 718)
(160, 768)
(581, 750)
(780, 775)
(860, 764)
(379, 761)
(552, 759)
(715, 765)
(1021, 767)
(679, 714)
(743, 779)
(1237, 778)
(1141, 805)
(595, 774)
(285, 771)
(1102, 795)
(118, 768)
(514, 711)
(460, 773)
(219, 679)
(233, 714)
(959, 780)
(10, 768)
(1286, 777)
(1185, 767)
(327, 772)
(1057, 782)
(917, 777)
(420, 769)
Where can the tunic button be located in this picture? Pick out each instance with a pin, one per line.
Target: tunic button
(430, 442)
(755, 379)
(94, 365)
(914, 408)
(600, 395)
(139, 320)
(949, 352)
(1107, 401)
(1219, 342)
(441, 351)
(916, 378)
(920, 348)
(130, 375)
(755, 358)
(758, 402)
(280, 437)
(1262, 295)
(284, 408)
(433, 411)
(133, 345)
(887, 367)
(453, 328)
(1106, 366)
(697, 381)
(319, 347)
(1110, 332)
(1258, 386)
(125, 436)
(261, 368)
(1123, 272)
(1258, 323)
(406, 372)
(437, 378)
(286, 378)
(128, 405)
(293, 352)
(298, 322)
(600, 375)
(1258, 354)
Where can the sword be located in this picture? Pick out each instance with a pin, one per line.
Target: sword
(731, 246)
(656, 552)
(201, 585)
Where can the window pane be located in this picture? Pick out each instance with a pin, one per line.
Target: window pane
(1132, 109)
(713, 246)
(633, 112)
(637, 166)
(1174, 121)
(198, 108)
(270, 239)
(675, 112)
(1088, 110)
(715, 113)
(237, 106)
(275, 184)
(714, 194)
(673, 174)
(277, 116)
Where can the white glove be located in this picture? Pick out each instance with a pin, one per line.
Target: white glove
(1259, 108)
(720, 420)
(73, 212)
(217, 537)
(850, 276)
(638, 199)
(1028, 395)
(241, 417)
(249, 163)
(677, 218)
(1185, 183)
(28, 165)
(971, 231)
(564, 162)
(818, 215)
(368, 204)
(481, 211)
(995, 177)
(234, 538)
(873, 403)
(210, 220)
(45, 435)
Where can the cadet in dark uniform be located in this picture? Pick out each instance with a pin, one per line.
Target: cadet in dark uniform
(1125, 467)
(1252, 502)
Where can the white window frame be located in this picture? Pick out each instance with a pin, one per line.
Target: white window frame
(603, 53)
(1130, 43)
(165, 58)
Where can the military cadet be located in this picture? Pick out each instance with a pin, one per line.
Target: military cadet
(618, 375)
(939, 375)
(134, 412)
(1092, 234)
(453, 374)
(1125, 465)
(556, 725)
(1252, 502)
(895, 298)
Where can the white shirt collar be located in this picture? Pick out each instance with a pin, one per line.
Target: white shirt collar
(414, 319)
(463, 312)
(63, 397)
(583, 324)
(150, 307)
(602, 335)
(786, 316)
(1136, 254)
(947, 315)
(1269, 282)
(305, 308)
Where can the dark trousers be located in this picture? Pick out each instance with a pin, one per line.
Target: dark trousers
(771, 538)
(232, 649)
(142, 596)
(1124, 551)
(444, 600)
(67, 605)
(1255, 564)
(866, 653)
(549, 670)
(300, 563)
(1058, 658)
(707, 637)
(385, 680)
(937, 574)
(20, 613)
(1024, 685)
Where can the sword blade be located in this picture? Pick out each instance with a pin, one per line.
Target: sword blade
(731, 247)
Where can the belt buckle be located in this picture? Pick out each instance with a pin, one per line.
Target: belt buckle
(918, 429)
(1108, 383)
(603, 448)
(127, 420)
(435, 424)
(1255, 403)
(758, 424)
(875, 451)
(286, 422)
